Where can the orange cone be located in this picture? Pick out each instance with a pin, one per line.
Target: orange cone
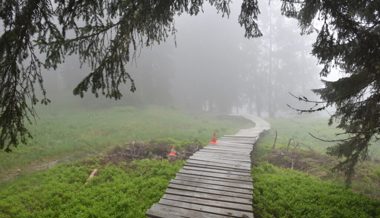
(213, 139)
(172, 152)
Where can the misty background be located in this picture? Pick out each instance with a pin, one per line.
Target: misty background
(210, 66)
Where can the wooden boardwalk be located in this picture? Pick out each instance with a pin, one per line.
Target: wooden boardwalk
(215, 181)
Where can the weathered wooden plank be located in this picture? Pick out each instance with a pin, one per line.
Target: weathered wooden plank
(206, 151)
(215, 210)
(239, 136)
(217, 175)
(216, 160)
(219, 164)
(209, 191)
(217, 171)
(215, 185)
(245, 156)
(221, 157)
(228, 149)
(242, 184)
(165, 211)
(216, 152)
(228, 142)
(240, 141)
(211, 197)
(231, 164)
(236, 141)
(217, 203)
(224, 157)
(216, 167)
(232, 145)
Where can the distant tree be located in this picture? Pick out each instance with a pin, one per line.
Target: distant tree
(348, 39)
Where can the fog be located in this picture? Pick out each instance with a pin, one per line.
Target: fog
(210, 66)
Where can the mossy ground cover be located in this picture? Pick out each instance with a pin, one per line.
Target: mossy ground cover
(287, 193)
(118, 190)
(299, 181)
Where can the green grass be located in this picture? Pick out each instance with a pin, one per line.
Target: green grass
(288, 193)
(125, 190)
(67, 135)
(299, 128)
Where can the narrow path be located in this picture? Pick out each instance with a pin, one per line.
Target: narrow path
(215, 181)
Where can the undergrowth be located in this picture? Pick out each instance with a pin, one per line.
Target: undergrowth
(288, 193)
(118, 190)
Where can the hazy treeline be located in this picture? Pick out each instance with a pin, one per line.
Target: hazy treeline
(210, 66)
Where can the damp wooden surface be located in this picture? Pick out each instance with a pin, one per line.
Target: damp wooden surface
(215, 181)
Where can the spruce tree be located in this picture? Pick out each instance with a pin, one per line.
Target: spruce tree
(349, 40)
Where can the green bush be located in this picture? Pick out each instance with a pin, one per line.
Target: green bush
(287, 193)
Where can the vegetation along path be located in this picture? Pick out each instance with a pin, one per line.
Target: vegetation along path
(215, 181)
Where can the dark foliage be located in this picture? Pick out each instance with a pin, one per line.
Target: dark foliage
(348, 39)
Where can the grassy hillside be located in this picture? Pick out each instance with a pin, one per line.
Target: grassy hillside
(63, 135)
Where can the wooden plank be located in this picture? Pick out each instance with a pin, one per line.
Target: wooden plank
(239, 141)
(239, 136)
(214, 210)
(221, 157)
(217, 171)
(216, 160)
(211, 157)
(227, 142)
(228, 149)
(206, 151)
(213, 185)
(218, 203)
(219, 164)
(231, 164)
(211, 197)
(230, 144)
(165, 211)
(216, 167)
(236, 141)
(216, 152)
(225, 153)
(247, 185)
(209, 191)
(217, 175)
